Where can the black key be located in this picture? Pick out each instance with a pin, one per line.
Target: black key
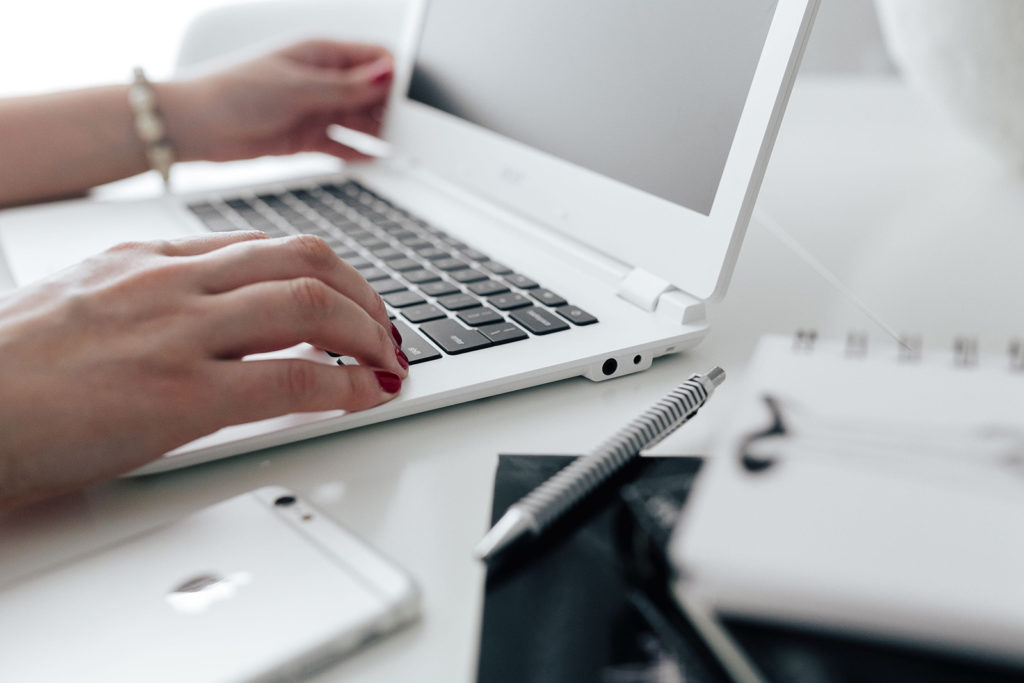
(359, 263)
(432, 253)
(374, 273)
(467, 275)
(520, 281)
(416, 242)
(472, 254)
(546, 296)
(450, 264)
(387, 253)
(539, 320)
(475, 317)
(453, 338)
(387, 286)
(403, 265)
(575, 314)
(420, 276)
(507, 302)
(503, 333)
(403, 299)
(371, 241)
(238, 204)
(497, 268)
(438, 288)
(487, 288)
(422, 313)
(416, 348)
(458, 302)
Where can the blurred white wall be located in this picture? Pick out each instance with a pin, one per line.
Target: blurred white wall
(847, 38)
(69, 43)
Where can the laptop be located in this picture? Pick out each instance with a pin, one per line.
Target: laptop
(567, 187)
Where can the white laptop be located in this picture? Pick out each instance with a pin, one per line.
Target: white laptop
(569, 183)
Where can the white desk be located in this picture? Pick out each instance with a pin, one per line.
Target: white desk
(925, 226)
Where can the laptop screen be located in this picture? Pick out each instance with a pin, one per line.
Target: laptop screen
(646, 92)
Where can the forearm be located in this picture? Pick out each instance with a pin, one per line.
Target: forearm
(63, 144)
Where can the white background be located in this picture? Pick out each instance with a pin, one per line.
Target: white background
(70, 43)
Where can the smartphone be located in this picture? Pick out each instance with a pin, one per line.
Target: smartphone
(259, 587)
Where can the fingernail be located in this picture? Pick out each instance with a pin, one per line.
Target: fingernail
(403, 360)
(389, 381)
(380, 72)
(396, 335)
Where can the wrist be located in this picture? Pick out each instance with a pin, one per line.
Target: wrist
(186, 119)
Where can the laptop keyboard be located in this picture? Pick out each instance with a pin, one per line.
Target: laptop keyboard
(436, 287)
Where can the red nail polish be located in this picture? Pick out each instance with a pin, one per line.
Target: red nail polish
(381, 78)
(403, 359)
(396, 335)
(389, 381)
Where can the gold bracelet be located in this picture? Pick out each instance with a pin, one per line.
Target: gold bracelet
(150, 127)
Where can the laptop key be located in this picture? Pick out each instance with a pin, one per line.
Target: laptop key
(520, 281)
(575, 314)
(538, 320)
(404, 265)
(506, 302)
(496, 268)
(450, 264)
(374, 273)
(415, 347)
(432, 253)
(475, 317)
(403, 299)
(487, 288)
(453, 338)
(420, 276)
(546, 296)
(458, 302)
(422, 313)
(359, 263)
(438, 288)
(503, 333)
(467, 275)
(387, 286)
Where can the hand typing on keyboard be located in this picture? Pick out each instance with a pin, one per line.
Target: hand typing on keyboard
(109, 364)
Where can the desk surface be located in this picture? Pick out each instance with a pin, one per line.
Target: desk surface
(919, 221)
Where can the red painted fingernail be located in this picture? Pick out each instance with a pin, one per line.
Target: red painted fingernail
(403, 359)
(389, 381)
(381, 78)
(396, 335)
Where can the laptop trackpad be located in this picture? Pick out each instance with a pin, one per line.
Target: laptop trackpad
(38, 241)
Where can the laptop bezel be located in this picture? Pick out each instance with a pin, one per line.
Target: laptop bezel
(692, 251)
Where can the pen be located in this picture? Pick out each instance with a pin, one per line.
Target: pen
(532, 514)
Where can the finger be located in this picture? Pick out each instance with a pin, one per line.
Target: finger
(269, 316)
(194, 245)
(333, 54)
(288, 258)
(350, 90)
(259, 389)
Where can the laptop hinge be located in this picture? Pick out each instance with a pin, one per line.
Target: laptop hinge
(651, 293)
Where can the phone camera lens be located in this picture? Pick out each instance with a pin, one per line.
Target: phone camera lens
(285, 501)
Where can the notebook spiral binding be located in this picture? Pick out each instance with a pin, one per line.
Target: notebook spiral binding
(965, 351)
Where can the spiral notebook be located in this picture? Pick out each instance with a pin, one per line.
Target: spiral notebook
(873, 491)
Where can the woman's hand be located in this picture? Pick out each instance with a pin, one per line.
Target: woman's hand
(280, 103)
(109, 364)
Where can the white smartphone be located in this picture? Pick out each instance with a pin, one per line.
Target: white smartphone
(258, 587)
